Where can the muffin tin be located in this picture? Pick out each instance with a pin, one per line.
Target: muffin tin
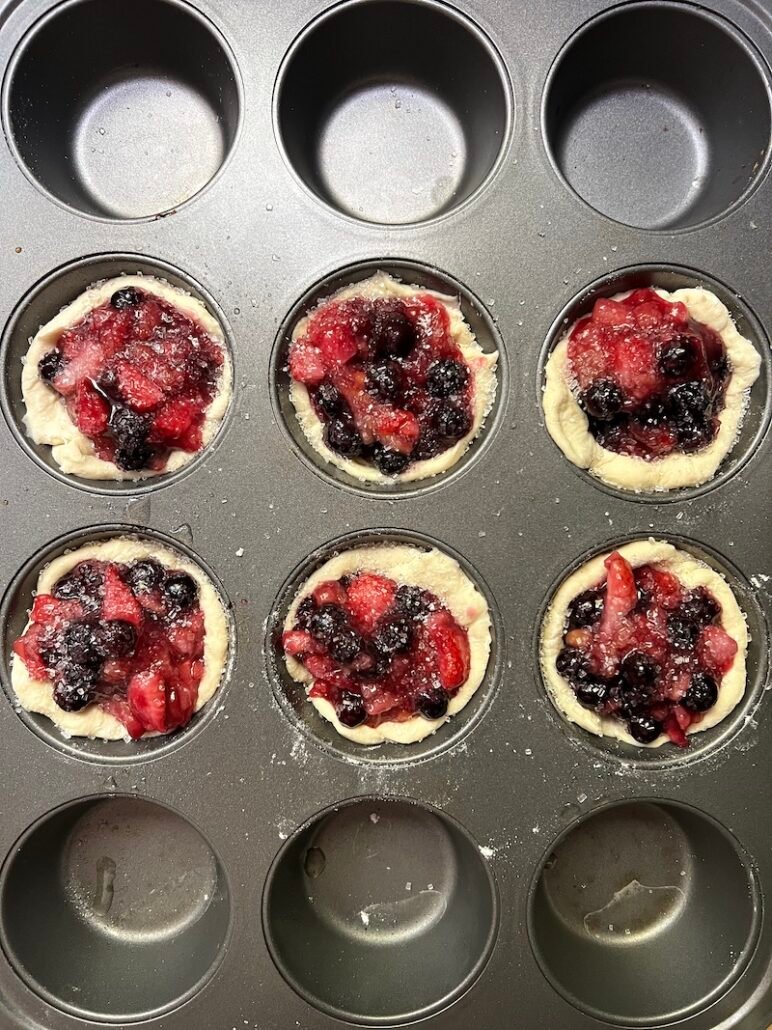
(255, 870)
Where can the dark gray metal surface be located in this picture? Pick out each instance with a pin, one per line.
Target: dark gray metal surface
(248, 775)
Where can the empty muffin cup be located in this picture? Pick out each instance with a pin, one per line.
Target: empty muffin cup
(380, 911)
(409, 119)
(114, 909)
(624, 899)
(658, 115)
(122, 108)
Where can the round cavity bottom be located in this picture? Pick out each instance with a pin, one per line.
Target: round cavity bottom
(131, 903)
(624, 905)
(380, 889)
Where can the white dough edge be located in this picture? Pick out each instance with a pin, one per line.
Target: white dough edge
(568, 426)
(431, 570)
(37, 695)
(47, 420)
(692, 573)
(482, 366)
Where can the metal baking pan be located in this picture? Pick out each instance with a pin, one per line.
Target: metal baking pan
(526, 156)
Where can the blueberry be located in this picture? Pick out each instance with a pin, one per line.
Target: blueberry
(83, 583)
(144, 575)
(644, 728)
(410, 600)
(453, 421)
(719, 366)
(128, 297)
(694, 434)
(394, 637)
(428, 445)
(639, 670)
(602, 399)
(689, 402)
(115, 639)
(72, 696)
(593, 693)
(676, 356)
(702, 693)
(446, 377)
(324, 621)
(384, 381)
(50, 365)
(390, 462)
(127, 426)
(79, 644)
(345, 644)
(682, 632)
(699, 607)
(180, 590)
(350, 709)
(131, 457)
(304, 611)
(585, 609)
(571, 664)
(391, 331)
(342, 437)
(328, 400)
(432, 703)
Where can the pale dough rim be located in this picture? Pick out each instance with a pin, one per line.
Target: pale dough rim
(432, 570)
(37, 695)
(692, 573)
(568, 426)
(47, 420)
(481, 364)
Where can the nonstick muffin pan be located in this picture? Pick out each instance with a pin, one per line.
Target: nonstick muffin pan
(256, 870)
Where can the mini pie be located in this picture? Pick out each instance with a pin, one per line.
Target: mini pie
(646, 644)
(125, 639)
(648, 391)
(130, 380)
(388, 381)
(389, 641)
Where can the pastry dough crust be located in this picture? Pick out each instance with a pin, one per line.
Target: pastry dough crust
(37, 695)
(692, 573)
(434, 571)
(47, 420)
(568, 426)
(482, 366)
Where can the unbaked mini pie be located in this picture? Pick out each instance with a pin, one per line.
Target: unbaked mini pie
(130, 380)
(125, 639)
(646, 644)
(648, 391)
(389, 641)
(388, 381)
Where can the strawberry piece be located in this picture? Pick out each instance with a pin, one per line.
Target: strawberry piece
(298, 642)
(394, 428)
(673, 729)
(716, 649)
(337, 346)
(147, 318)
(137, 390)
(621, 593)
(119, 708)
(91, 410)
(634, 365)
(49, 610)
(668, 589)
(368, 598)
(84, 363)
(174, 420)
(119, 602)
(329, 592)
(28, 649)
(187, 638)
(193, 438)
(611, 313)
(451, 646)
(181, 696)
(307, 364)
(147, 700)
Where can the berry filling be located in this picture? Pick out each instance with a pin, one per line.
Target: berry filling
(378, 650)
(650, 379)
(129, 638)
(386, 378)
(137, 376)
(642, 649)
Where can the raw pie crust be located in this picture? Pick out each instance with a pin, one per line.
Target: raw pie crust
(568, 426)
(692, 573)
(431, 570)
(37, 695)
(47, 420)
(482, 367)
